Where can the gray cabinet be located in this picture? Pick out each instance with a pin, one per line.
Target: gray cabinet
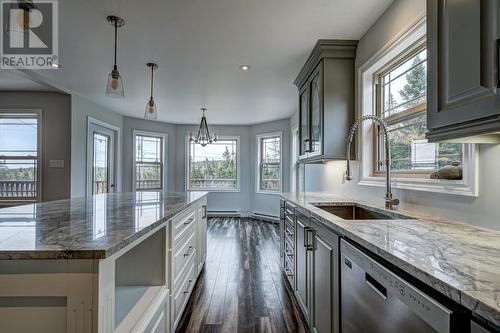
(302, 263)
(316, 253)
(325, 281)
(326, 100)
(463, 79)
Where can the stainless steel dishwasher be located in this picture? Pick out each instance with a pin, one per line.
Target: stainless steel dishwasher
(373, 299)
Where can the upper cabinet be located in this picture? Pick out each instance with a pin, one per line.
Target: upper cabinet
(463, 61)
(326, 100)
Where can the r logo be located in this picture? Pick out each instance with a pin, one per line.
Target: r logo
(25, 21)
(29, 33)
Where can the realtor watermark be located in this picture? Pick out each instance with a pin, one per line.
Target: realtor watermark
(29, 36)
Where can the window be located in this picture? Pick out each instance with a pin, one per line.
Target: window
(149, 161)
(269, 163)
(19, 157)
(215, 166)
(401, 88)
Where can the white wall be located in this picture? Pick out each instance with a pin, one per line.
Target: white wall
(56, 128)
(483, 210)
(131, 124)
(81, 109)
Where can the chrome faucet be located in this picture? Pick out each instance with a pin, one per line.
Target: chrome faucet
(390, 202)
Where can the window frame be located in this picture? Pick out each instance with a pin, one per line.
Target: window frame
(363, 167)
(258, 167)
(187, 151)
(164, 140)
(38, 113)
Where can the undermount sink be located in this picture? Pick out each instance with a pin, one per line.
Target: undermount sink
(356, 212)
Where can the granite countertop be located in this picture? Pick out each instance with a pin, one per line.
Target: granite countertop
(457, 259)
(86, 228)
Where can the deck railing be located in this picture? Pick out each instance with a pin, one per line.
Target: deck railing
(212, 183)
(143, 184)
(17, 189)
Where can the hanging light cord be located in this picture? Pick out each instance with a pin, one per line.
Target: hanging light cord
(116, 38)
(152, 73)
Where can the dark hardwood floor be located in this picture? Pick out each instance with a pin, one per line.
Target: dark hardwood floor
(241, 288)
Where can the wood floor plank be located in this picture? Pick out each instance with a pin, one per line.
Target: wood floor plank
(242, 288)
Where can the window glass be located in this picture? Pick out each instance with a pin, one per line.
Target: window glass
(213, 167)
(18, 157)
(403, 98)
(270, 163)
(148, 162)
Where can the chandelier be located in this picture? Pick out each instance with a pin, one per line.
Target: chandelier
(203, 136)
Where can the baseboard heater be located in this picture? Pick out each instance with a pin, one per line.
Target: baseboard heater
(223, 213)
(265, 217)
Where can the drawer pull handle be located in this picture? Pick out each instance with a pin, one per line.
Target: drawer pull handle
(187, 288)
(204, 212)
(188, 251)
(191, 219)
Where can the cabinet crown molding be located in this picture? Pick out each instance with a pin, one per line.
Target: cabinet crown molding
(326, 48)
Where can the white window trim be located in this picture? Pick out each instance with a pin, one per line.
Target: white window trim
(257, 166)
(468, 186)
(238, 173)
(118, 153)
(164, 137)
(38, 113)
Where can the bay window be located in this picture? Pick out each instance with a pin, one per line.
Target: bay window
(149, 161)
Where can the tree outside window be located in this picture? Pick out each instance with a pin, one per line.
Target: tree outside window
(269, 163)
(402, 102)
(215, 166)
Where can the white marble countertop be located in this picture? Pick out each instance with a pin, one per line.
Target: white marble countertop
(457, 259)
(86, 228)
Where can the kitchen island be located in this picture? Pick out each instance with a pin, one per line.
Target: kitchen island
(109, 263)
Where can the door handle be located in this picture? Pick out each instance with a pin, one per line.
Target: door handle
(376, 286)
(311, 247)
(305, 236)
(191, 219)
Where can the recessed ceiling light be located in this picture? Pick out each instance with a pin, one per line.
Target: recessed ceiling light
(244, 68)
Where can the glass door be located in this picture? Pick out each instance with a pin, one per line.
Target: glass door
(100, 159)
(101, 164)
(304, 125)
(316, 114)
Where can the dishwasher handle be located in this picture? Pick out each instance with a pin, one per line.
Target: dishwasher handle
(376, 286)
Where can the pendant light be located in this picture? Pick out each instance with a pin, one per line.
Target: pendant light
(203, 137)
(151, 112)
(115, 83)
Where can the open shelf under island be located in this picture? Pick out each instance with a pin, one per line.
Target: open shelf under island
(121, 262)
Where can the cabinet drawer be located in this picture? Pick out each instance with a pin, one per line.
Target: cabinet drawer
(181, 295)
(289, 249)
(181, 223)
(182, 255)
(289, 271)
(289, 227)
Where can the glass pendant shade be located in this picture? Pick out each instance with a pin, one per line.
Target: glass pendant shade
(151, 113)
(115, 85)
(114, 88)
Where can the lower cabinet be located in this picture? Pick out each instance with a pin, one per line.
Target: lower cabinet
(316, 289)
(202, 233)
(303, 264)
(325, 280)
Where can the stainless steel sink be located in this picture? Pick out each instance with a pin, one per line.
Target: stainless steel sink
(357, 212)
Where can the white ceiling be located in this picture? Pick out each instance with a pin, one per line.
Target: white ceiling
(11, 80)
(199, 46)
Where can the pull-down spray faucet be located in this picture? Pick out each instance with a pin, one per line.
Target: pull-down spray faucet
(390, 202)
